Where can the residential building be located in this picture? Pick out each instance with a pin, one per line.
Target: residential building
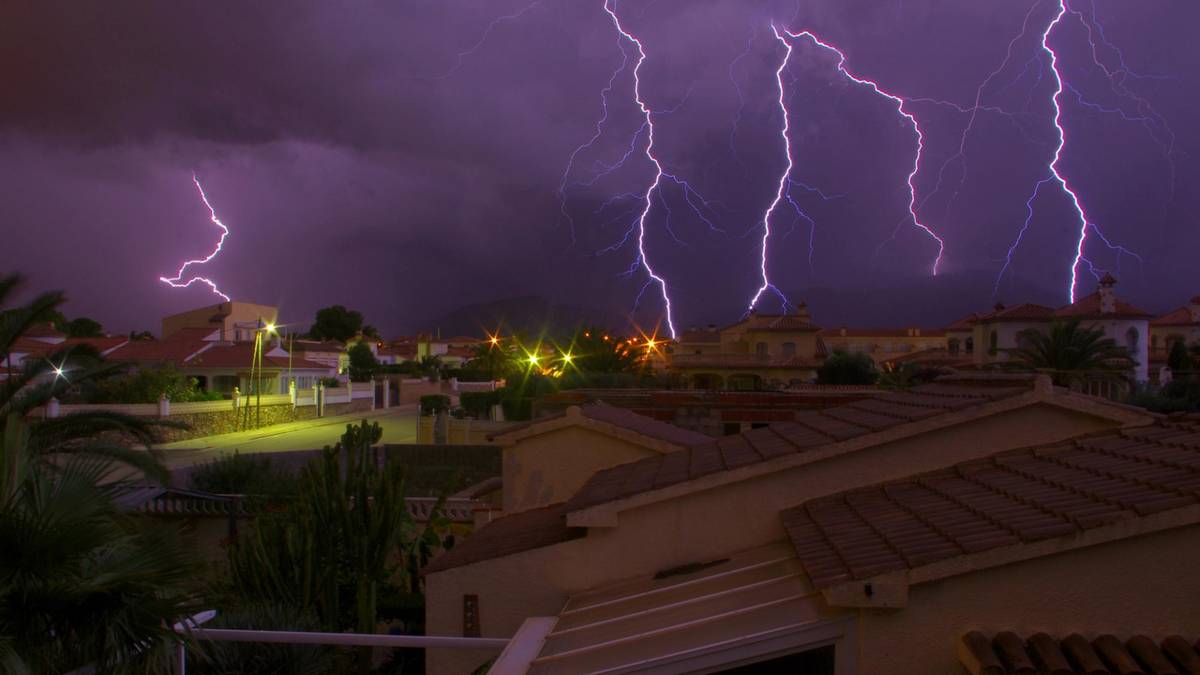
(999, 332)
(220, 365)
(758, 549)
(883, 344)
(777, 349)
(331, 353)
(233, 321)
(1179, 325)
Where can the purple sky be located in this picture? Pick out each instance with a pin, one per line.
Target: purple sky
(350, 169)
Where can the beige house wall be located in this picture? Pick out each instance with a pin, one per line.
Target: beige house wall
(550, 467)
(711, 524)
(239, 313)
(1145, 585)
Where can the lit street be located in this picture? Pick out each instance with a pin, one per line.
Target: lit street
(399, 426)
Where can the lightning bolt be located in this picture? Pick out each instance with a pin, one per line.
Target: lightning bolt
(175, 282)
(1157, 126)
(902, 108)
(1084, 223)
(461, 57)
(781, 189)
(659, 174)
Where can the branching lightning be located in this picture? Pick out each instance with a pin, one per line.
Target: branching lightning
(177, 280)
(461, 57)
(902, 108)
(649, 151)
(781, 189)
(1145, 115)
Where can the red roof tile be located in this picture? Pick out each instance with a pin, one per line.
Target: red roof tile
(1024, 312)
(240, 356)
(810, 429)
(169, 351)
(1089, 306)
(1178, 317)
(519, 532)
(1008, 653)
(1008, 498)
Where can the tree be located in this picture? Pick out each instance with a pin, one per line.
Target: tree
(594, 350)
(346, 544)
(83, 327)
(1070, 349)
(35, 381)
(83, 583)
(336, 323)
(847, 369)
(1180, 358)
(498, 360)
(363, 363)
(146, 385)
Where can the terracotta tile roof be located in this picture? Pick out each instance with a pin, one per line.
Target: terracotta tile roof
(1027, 311)
(171, 350)
(240, 355)
(1089, 306)
(519, 532)
(1010, 498)
(44, 330)
(776, 322)
(38, 348)
(1008, 652)
(625, 419)
(963, 324)
(300, 346)
(811, 429)
(195, 333)
(883, 332)
(1178, 317)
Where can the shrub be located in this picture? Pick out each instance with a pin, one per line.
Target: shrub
(845, 368)
(146, 385)
(363, 364)
(243, 475)
(479, 404)
(434, 403)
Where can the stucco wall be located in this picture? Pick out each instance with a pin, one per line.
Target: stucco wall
(1143, 585)
(228, 421)
(550, 467)
(711, 524)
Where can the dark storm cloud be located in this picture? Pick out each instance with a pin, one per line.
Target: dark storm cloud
(350, 170)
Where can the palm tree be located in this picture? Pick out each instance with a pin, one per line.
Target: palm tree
(35, 381)
(1070, 350)
(82, 581)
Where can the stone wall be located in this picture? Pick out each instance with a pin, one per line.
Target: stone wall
(228, 421)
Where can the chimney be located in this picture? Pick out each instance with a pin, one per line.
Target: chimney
(712, 327)
(1108, 294)
(1194, 308)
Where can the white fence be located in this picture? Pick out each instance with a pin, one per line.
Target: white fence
(165, 408)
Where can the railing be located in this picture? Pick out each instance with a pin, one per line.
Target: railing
(328, 639)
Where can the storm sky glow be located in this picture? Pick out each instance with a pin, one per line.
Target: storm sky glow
(410, 158)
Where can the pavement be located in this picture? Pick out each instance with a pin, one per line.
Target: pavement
(399, 426)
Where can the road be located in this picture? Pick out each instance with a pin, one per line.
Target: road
(399, 426)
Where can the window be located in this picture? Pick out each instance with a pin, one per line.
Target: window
(1131, 340)
(953, 344)
(993, 342)
(970, 345)
(760, 349)
(789, 350)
